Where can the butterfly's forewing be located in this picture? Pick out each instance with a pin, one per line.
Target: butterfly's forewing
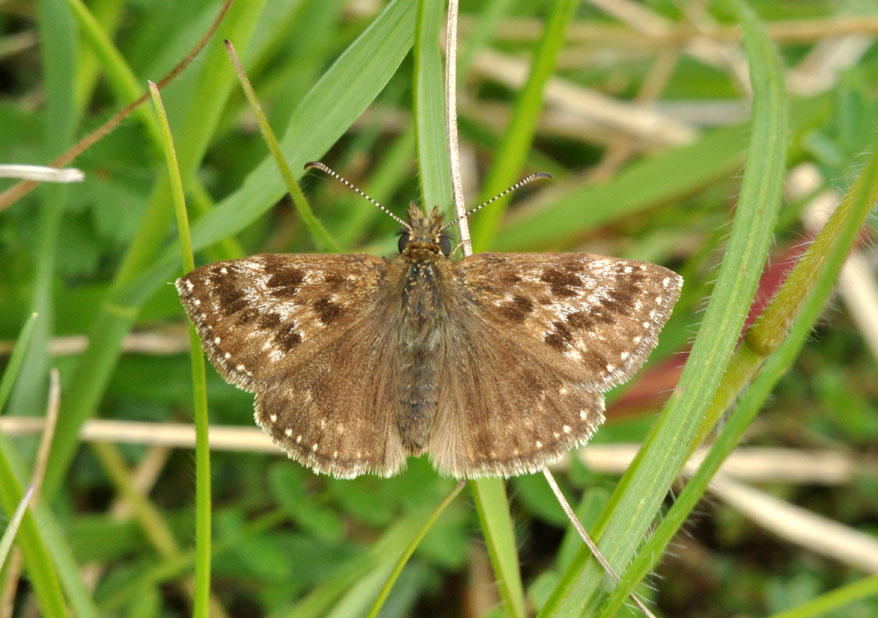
(531, 344)
(593, 319)
(301, 331)
(267, 314)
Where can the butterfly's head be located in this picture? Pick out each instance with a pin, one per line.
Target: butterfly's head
(424, 238)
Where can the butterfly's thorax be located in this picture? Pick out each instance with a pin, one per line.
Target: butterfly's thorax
(425, 271)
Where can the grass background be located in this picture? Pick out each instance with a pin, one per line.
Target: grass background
(650, 170)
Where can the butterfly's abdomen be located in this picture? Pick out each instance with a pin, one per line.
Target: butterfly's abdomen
(419, 341)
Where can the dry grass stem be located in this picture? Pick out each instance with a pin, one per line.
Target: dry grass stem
(763, 465)
(645, 124)
(818, 71)
(602, 35)
(797, 525)
(160, 343)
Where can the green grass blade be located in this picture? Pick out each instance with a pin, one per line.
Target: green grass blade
(57, 50)
(819, 266)
(39, 566)
(429, 104)
(814, 276)
(831, 603)
(199, 385)
(410, 549)
(15, 360)
(632, 508)
(435, 176)
(319, 233)
(521, 128)
(492, 506)
(352, 590)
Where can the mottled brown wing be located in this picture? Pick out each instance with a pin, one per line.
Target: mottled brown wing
(533, 343)
(338, 414)
(283, 326)
(502, 411)
(593, 319)
(269, 314)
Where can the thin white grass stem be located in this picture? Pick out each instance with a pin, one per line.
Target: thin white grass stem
(587, 539)
(14, 523)
(451, 127)
(41, 173)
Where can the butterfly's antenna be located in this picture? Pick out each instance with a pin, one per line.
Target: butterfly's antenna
(524, 181)
(328, 170)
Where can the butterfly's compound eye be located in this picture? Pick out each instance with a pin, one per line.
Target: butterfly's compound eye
(445, 244)
(404, 238)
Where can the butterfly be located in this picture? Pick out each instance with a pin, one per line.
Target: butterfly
(493, 365)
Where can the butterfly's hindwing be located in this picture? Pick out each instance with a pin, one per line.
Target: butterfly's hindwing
(338, 414)
(502, 412)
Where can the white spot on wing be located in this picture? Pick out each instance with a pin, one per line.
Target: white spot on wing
(273, 418)
(566, 428)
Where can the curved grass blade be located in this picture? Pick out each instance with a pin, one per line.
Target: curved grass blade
(199, 379)
(634, 504)
(521, 128)
(820, 266)
(489, 495)
(403, 559)
(432, 147)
